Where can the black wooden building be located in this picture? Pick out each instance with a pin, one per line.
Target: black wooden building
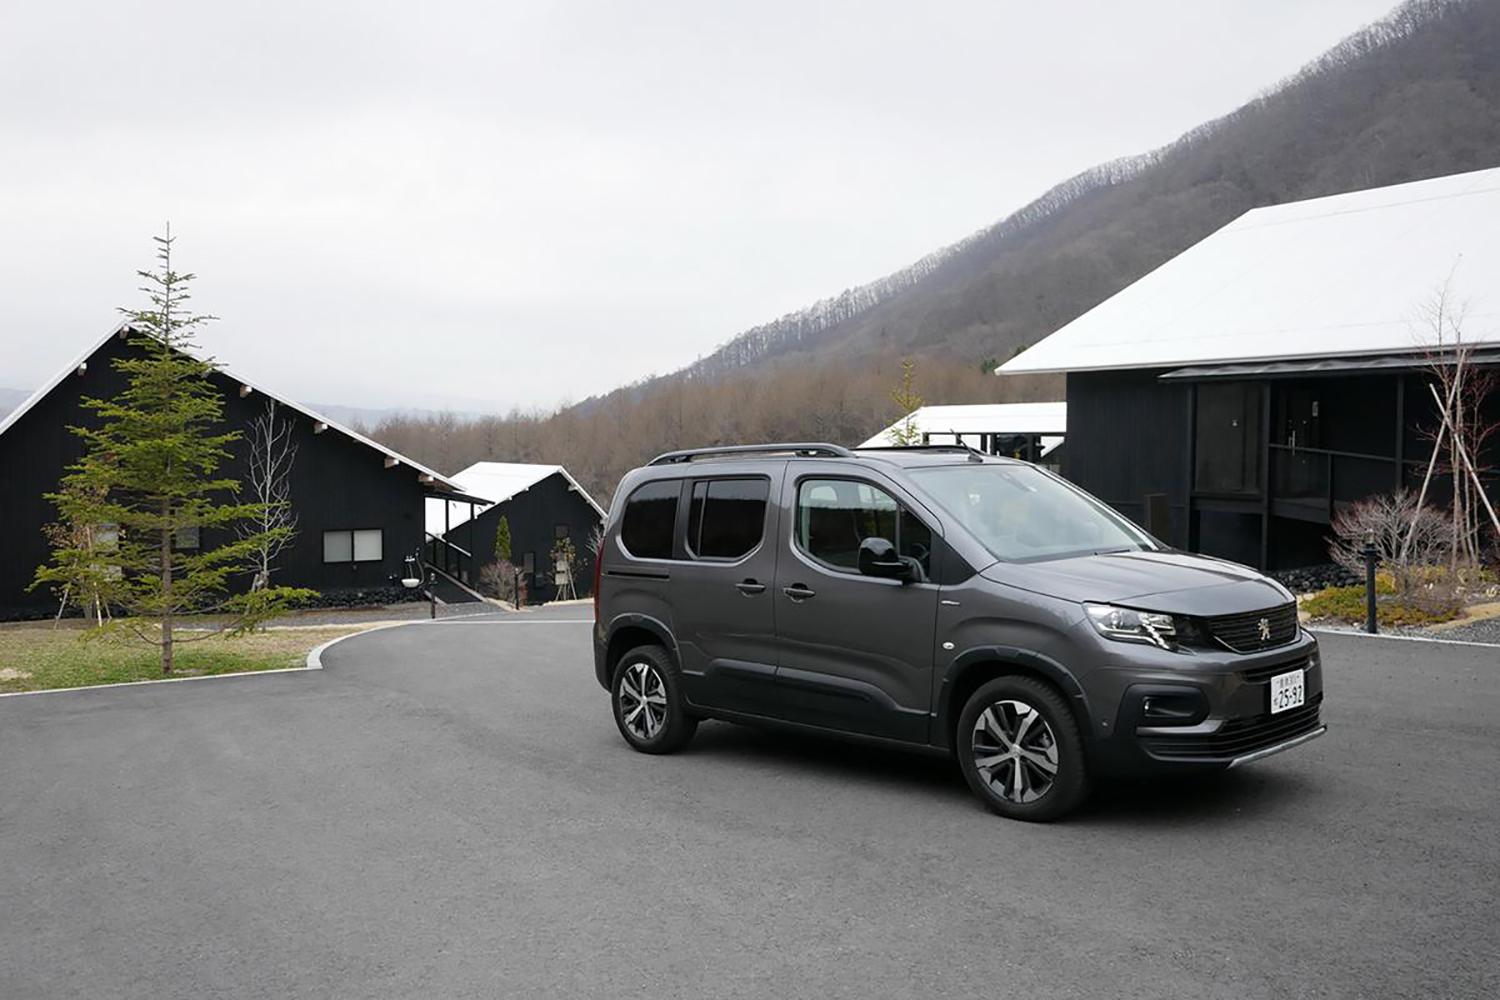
(541, 503)
(359, 505)
(1234, 400)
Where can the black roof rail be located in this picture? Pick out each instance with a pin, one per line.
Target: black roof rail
(960, 448)
(800, 449)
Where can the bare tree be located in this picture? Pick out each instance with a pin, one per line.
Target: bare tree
(1460, 391)
(88, 545)
(269, 483)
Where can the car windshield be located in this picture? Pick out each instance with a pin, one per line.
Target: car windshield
(1022, 514)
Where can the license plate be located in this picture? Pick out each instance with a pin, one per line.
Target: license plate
(1287, 691)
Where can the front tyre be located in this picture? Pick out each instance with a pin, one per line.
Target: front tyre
(647, 697)
(1020, 750)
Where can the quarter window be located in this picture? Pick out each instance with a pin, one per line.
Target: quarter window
(835, 515)
(727, 517)
(650, 518)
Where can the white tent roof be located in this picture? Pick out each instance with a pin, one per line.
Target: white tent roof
(1349, 274)
(496, 482)
(983, 418)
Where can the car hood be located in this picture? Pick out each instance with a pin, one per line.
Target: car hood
(1173, 582)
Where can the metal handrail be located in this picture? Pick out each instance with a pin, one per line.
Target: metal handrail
(455, 547)
(799, 449)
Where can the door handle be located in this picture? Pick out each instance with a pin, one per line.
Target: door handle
(799, 592)
(750, 587)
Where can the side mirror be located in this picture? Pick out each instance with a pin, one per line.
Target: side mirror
(877, 557)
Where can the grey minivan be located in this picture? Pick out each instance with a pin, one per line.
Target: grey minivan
(944, 600)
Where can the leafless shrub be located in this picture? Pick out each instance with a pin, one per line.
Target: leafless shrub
(501, 579)
(1390, 517)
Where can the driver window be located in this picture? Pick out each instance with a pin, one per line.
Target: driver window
(835, 515)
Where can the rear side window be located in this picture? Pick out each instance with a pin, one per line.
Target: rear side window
(727, 517)
(650, 517)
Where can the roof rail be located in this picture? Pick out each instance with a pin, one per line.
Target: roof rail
(800, 449)
(960, 448)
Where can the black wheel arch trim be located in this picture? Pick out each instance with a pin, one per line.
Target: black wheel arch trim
(630, 620)
(1029, 661)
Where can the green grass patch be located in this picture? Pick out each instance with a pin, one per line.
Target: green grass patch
(39, 657)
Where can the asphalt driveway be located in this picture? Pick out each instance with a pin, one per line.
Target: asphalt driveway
(447, 810)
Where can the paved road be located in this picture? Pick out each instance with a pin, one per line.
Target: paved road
(446, 810)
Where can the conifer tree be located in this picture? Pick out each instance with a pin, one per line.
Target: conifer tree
(502, 540)
(150, 478)
(906, 433)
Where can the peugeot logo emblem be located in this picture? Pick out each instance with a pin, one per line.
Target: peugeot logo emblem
(1265, 629)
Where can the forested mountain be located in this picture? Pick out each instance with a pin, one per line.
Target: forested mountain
(1415, 95)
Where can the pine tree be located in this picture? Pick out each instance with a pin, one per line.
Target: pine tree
(906, 433)
(149, 478)
(502, 540)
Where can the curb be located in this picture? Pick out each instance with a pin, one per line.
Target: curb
(1404, 638)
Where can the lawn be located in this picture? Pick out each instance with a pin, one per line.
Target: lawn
(35, 657)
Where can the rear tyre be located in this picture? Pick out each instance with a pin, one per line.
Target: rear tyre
(646, 692)
(1020, 750)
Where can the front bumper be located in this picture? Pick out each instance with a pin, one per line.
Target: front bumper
(1295, 741)
(1232, 723)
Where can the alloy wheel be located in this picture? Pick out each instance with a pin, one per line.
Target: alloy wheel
(1015, 751)
(643, 700)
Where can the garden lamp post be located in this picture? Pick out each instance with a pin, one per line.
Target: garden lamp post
(1371, 557)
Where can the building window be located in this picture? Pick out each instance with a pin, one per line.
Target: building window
(561, 531)
(361, 545)
(650, 520)
(187, 539)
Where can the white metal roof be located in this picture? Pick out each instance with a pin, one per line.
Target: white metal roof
(1344, 275)
(497, 482)
(36, 397)
(982, 418)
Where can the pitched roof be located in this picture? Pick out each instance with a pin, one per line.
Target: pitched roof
(36, 397)
(1344, 275)
(984, 418)
(497, 482)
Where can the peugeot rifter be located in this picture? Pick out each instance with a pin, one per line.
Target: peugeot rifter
(939, 599)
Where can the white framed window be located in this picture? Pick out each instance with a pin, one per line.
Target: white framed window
(360, 545)
(369, 545)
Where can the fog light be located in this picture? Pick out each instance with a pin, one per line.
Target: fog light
(1178, 708)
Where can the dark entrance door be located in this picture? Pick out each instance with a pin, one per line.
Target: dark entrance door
(1297, 473)
(1227, 447)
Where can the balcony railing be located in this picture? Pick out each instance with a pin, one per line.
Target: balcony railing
(454, 560)
(1315, 481)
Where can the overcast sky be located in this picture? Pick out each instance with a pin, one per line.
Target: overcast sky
(486, 204)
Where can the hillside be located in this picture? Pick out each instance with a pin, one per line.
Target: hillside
(1415, 95)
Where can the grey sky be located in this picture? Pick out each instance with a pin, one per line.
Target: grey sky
(489, 204)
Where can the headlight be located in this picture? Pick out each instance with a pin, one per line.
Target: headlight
(1129, 625)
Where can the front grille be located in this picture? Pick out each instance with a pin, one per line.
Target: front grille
(1238, 737)
(1260, 675)
(1252, 631)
